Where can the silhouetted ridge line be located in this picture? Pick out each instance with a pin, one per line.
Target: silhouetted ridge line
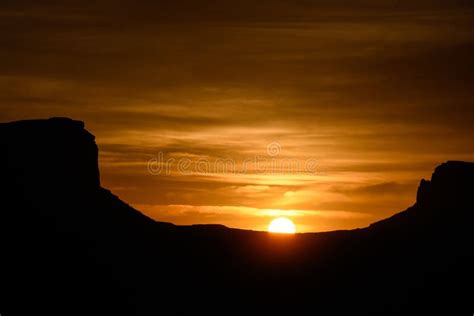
(71, 247)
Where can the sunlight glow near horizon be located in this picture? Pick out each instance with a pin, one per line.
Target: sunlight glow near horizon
(282, 225)
(271, 106)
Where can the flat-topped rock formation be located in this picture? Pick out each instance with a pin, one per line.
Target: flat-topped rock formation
(451, 185)
(56, 153)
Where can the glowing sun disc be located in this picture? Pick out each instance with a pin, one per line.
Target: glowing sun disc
(282, 225)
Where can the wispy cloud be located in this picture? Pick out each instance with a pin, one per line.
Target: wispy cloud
(378, 92)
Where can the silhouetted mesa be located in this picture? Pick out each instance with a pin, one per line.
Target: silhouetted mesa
(71, 247)
(58, 152)
(450, 186)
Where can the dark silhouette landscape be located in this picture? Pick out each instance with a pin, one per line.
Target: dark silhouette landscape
(71, 247)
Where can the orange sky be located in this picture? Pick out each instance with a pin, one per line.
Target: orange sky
(375, 93)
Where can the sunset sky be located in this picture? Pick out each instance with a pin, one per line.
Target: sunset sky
(374, 93)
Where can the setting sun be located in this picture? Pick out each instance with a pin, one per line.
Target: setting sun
(282, 225)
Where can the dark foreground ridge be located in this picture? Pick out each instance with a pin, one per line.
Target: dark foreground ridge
(70, 247)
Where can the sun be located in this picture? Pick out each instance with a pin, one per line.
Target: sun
(282, 225)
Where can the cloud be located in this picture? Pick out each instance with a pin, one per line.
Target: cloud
(378, 93)
(253, 218)
(385, 188)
